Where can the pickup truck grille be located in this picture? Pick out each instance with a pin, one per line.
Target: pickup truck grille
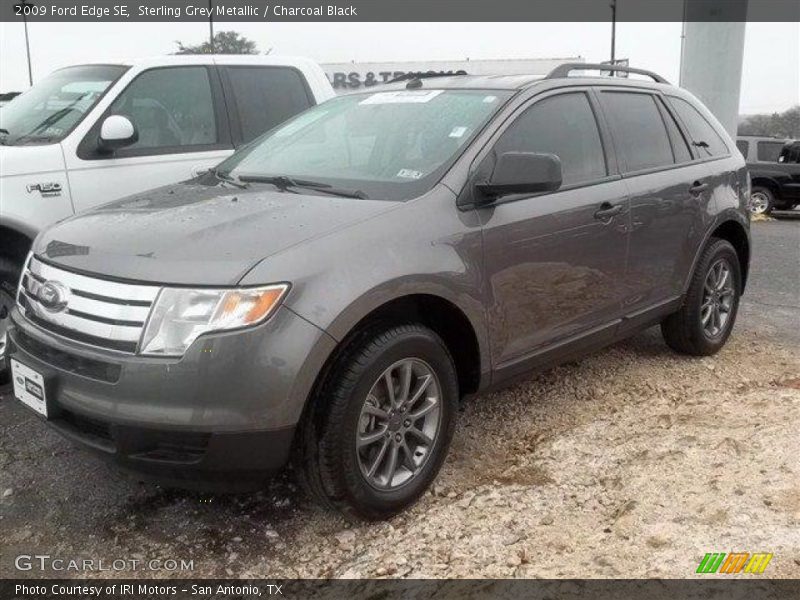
(99, 312)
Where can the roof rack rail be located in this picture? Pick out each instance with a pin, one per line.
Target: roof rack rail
(411, 75)
(564, 70)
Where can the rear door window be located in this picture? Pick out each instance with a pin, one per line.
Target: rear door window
(266, 96)
(563, 125)
(640, 134)
(769, 151)
(704, 137)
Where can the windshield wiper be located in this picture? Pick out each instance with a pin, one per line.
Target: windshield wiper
(4, 131)
(227, 178)
(284, 182)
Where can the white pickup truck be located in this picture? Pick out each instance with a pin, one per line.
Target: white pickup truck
(90, 134)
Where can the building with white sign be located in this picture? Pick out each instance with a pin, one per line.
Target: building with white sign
(352, 76)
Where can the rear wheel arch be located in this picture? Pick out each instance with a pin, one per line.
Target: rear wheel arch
(735, 233)
(732, 227)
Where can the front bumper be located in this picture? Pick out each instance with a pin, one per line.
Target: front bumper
(223, 413)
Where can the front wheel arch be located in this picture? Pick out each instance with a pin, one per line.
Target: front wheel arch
(16, 244)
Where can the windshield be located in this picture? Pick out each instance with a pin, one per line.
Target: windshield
(48, 111)
(386, 145)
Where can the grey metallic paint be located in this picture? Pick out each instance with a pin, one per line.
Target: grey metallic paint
(539, 278)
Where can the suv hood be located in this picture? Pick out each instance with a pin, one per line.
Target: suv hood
(195, 234)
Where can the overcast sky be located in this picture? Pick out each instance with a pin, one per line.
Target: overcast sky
(770, 80)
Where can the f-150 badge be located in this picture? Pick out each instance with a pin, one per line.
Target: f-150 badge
(45, 189)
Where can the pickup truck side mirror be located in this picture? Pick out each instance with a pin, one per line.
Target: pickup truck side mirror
(523, 173)
(117, 132)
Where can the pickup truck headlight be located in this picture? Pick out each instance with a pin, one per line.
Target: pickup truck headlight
(179, 316)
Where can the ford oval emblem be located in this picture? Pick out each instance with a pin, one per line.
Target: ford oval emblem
(53, 296)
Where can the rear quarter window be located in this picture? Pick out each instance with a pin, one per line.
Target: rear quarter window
(703, 136)
(266, 96)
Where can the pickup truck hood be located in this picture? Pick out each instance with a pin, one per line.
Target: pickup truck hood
(195, 234)
(30, 160)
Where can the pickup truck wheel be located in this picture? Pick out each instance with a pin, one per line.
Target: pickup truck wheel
(761, 201)
(384, 423)
(9, 276)
(702, 325)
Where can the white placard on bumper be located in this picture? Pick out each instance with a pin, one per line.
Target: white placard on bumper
(29, 387)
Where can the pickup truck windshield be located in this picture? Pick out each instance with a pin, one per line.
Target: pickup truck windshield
(391, 145)
(47, 112)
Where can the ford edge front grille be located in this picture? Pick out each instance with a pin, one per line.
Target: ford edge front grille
(103, 313)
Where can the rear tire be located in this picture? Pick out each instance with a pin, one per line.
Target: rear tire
(340, 463)
(762, 201)
(705, 321)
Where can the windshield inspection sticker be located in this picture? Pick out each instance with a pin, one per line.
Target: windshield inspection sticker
(402, 97)
(458, 132)
(409, 174)
(489, 99)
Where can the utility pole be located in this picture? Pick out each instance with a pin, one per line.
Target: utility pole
(211, 25)
(27, 41)
(613, 6)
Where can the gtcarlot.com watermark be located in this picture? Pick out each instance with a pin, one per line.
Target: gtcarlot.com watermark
(46, 562)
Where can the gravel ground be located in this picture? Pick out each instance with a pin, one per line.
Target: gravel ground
(633, 462)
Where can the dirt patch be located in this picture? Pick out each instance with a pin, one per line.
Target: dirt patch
(585, 469)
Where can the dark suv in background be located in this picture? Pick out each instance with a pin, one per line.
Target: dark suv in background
(774, 166)
(331, 291)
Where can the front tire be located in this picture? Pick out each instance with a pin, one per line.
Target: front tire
(9, 277)
(381, 423)
(705, 321)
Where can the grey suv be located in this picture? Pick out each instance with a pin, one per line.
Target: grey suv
(330, 292)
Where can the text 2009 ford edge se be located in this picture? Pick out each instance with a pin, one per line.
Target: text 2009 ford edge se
(333, 289)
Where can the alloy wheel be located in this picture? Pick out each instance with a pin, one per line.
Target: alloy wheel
(399, 424)
(759, 203)
(718, 298)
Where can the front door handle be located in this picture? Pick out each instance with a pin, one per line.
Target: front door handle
(698, 188)
(608, 210)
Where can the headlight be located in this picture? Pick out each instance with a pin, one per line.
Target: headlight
(179, 316)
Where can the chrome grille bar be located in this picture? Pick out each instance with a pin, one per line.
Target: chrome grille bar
(99, 312)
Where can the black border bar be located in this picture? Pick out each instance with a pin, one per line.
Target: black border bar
(400, 10)
(749, 588)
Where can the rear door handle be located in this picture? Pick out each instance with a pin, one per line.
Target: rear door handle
(608, 210)
(698, 188)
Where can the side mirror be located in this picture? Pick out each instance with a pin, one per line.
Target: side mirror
(117, 132)
(523, 173)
